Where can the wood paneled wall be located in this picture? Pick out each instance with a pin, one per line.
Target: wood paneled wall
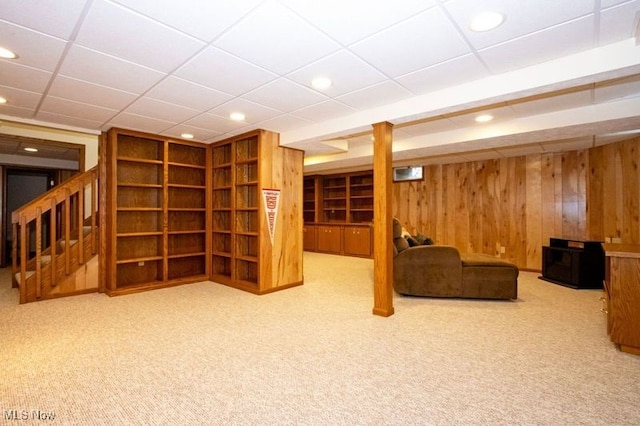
(614, 192)
(519, 203)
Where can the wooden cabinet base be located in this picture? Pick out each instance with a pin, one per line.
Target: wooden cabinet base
(630, 349)
(342, 239)
(251, 287)
(622, 295)
(155, 285)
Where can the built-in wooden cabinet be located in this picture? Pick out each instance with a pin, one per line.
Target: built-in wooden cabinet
(309, 237)
(622, 295)
(358, 240)
(179, 211)
(330, 239)
(340, 206)
(156, 214)
(257, 190)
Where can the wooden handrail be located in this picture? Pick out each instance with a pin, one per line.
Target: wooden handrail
(73, 214)
(58, 194)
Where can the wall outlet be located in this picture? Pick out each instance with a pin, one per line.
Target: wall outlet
(503, 249)
(615, 240)
(607, 239)
(140, 263)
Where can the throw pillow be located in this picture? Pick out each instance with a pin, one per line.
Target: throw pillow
(412, 241)
(400, 244)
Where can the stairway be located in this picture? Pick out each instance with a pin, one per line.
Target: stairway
(66, 215)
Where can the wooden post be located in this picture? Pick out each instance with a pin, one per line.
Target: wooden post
(382, 220)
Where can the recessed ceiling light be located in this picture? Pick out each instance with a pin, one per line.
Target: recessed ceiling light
(29, 149)
(3, 100)
(484, 118)
(486, 21)
(237, 116)
(7, 54)
(321, 83)
(187, 135)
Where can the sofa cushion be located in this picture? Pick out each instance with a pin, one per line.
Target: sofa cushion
(481, 259)
(400, 244)
(412, 241)
(423, 239)
(397, 228)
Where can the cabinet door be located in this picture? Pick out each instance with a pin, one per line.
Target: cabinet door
(357, 241)
(330, 239)
(309, 235)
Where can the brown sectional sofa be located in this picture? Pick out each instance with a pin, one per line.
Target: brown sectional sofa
(442, 271)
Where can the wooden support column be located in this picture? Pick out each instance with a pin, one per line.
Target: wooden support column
(382, 220)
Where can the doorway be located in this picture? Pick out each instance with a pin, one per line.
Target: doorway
(21, 185)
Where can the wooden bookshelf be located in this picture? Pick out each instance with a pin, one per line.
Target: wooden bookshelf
(156, 212)
(338, 213)
(243, 254)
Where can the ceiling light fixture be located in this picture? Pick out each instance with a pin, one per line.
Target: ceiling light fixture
(321, 83)
(29, 149)
(486, 21)
(237, 116)
(484, 118)
(7, 54)
(3, 100)
(187, 135)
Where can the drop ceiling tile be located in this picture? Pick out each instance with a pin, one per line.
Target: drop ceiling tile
(283, 123)
(618, 23)
(214, 123)
(347, 72)
(19, 98)
(68, 120)
(45, 16)
(97, 68)
(276, 39)
(221, 71)
(539, 47)
(93, 94)
(608, 3)
(16, 111)
(338, 17)
(162, 110)
(23, 77)
(202, 19)
(33, 49)
(191, 95)
(138, 122)
(445, 74)
(521, 17)
(254, 113)
(324, 111)
(553, 103)
(76, 109)
(110, 29)
(199, 134)
(411, 45)
(386, 92)
(284, 95)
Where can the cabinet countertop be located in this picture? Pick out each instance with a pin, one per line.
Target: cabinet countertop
(621, 250)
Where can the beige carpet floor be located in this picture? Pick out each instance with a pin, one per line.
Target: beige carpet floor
(315, 355)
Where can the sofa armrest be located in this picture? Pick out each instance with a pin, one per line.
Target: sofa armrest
(428, 271)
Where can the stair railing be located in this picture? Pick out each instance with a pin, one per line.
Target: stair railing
(71, 208)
